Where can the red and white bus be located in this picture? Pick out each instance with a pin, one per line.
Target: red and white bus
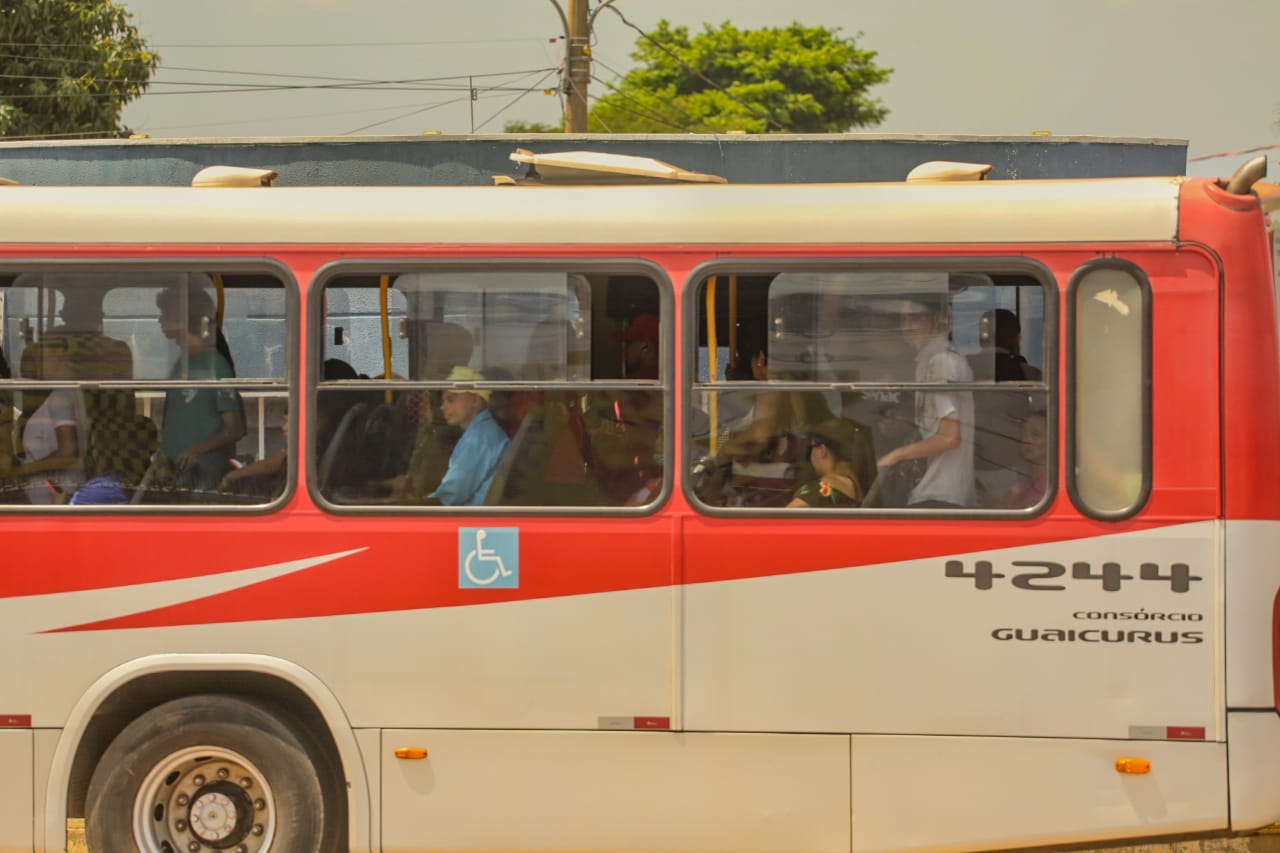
(931, 515)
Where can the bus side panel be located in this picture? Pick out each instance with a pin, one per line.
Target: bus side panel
(445, 657)
(1234, 227)
(1010, 642)
(1250, 549)
(1254, 742)
(989, 793)
(17, 808)
(623, 791)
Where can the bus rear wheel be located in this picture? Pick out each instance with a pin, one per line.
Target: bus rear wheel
(206, 773)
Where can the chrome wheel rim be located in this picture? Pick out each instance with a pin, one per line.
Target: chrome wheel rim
(204, 798)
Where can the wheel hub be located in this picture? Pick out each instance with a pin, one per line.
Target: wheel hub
(204, 799)
(213, 816)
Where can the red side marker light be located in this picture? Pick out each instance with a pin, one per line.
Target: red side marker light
(15, 721)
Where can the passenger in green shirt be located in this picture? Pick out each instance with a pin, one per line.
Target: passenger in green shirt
(201, 425)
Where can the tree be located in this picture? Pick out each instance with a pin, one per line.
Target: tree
(68, 67)
(520, 126)
(793, 79)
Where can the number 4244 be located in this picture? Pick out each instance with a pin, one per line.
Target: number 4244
(1040, 575)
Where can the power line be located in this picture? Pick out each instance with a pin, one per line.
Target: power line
(296, 117)
(219, 88)
(1233, 153)
(536, 87)
(254, 45)
(406, 115)
(276, 74)
(439, 104)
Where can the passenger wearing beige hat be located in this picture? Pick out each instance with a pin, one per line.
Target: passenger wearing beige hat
(475, 458)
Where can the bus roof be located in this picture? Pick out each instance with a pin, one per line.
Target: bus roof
(1123, 209)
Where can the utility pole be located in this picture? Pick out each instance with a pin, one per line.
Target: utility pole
(577, 66)
(577, 60)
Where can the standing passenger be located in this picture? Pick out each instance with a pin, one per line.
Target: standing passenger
(944, 418)
(201, 425)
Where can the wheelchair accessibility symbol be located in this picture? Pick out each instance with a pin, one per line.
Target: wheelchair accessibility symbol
(489, 557)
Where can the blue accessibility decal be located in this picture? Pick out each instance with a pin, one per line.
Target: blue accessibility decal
(489, 557)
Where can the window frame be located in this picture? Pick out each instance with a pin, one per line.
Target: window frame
(568, 265)
(115, 265)
(691, 305)
(1070, 398)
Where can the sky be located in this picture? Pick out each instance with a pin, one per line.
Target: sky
(1200, 70)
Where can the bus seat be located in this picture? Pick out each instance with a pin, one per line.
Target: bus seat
(342, 434)
(498, 486)
(122, 445)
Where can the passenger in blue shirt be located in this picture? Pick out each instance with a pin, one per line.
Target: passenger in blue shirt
(475, 457)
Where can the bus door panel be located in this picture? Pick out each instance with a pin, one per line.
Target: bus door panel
(1186, 377)
(17, 807)
(1094, 617)
(505, 622)
(621, 791)
(1044, 628)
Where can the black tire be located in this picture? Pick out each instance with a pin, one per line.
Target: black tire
(209, 773)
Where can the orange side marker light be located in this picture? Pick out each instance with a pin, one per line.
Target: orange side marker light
(411, 753)
(1136, 766)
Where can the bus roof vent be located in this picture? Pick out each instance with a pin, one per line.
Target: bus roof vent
(597, 167)
(945, 170)
(233, 176)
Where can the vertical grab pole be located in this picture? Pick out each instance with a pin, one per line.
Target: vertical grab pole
(713, 408)
(222, 300)
(733, 321)
(383, 284)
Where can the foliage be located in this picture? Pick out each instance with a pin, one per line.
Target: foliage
(793, 79)
(69, 67)
(532, 127)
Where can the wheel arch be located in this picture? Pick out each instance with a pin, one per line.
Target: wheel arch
(126, 691)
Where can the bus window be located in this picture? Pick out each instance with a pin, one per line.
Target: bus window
(531, 388)
(878, 389)
(1110, 400)
(118, 400)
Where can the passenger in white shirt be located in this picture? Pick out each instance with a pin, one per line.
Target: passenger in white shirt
(944, 418)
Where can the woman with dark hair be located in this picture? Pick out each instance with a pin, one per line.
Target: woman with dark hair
(835, 448)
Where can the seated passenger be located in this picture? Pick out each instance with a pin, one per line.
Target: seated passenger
(640, 347)
(835, 447)
(1001, 357)
(768, 455)
(999, 416)
(475, 458)
(51, 435)
(624, 433)
(262, 478)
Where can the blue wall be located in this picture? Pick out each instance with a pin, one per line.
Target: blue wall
(455, 160)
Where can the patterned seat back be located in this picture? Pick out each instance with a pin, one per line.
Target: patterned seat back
(121, 442)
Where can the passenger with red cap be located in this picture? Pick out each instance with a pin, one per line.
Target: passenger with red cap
(640, 347)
